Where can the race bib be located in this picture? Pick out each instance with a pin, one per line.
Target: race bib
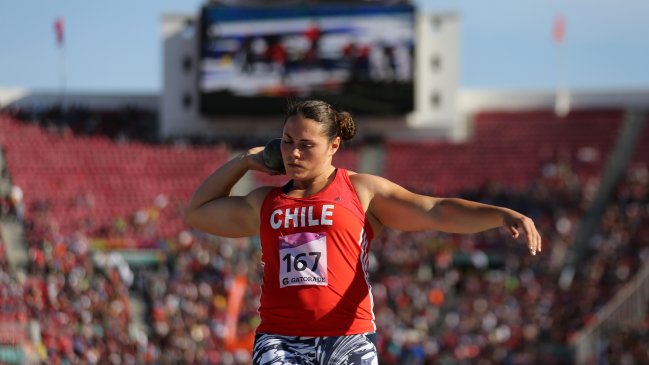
(303, 259)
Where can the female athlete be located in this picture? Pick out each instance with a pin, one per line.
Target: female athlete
(316, 302)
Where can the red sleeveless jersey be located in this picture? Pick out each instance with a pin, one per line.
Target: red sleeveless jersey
(315, 263)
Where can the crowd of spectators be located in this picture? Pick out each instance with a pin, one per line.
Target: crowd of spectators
(78, 306)
(13, 319)
(627, 345)
(483, 299)
(188, 300)
(439, 298)
(10, 195)
(11, 203)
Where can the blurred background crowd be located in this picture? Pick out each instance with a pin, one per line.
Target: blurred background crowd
(138, 288)
(481, 102)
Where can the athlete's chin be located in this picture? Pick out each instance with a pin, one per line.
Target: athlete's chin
(297, 172)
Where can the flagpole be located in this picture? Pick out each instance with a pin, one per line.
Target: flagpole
(62, 75)
(562, 97)
(59, 29)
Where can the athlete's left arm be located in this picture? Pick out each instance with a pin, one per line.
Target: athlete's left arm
(396, 207)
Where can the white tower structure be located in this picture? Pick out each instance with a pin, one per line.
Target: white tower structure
(436, 77)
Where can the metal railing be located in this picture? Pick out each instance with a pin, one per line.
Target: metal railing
(626, 309)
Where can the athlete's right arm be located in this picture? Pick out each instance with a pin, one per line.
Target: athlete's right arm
(212, 209)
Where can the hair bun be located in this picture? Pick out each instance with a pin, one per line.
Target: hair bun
(346, 125)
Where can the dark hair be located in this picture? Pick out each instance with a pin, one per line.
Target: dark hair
(335, 124)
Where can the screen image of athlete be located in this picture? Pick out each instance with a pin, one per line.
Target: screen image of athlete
(316, 232)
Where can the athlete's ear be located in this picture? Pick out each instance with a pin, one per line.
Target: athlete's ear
(335, 144)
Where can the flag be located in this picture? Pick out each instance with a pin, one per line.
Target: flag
(58, 30)
(559, 29)
(235, 301)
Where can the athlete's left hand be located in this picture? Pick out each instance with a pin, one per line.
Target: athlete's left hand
(516, 222)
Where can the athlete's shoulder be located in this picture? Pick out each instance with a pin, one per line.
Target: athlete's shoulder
(374, 185)
(257, 196)
(366, 183)
(367, 180)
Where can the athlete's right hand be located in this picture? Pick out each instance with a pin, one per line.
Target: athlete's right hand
(255, 161)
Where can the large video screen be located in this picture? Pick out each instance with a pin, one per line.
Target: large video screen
(357, 57)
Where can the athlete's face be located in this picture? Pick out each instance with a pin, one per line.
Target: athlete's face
(306, 150)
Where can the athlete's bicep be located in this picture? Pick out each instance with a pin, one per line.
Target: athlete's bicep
(399, 208)
(234, 216)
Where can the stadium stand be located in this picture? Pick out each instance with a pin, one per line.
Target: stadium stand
(628, 344)
(641, 156)
(477, 299)
(92, 180)
(512, 144)
(483, 300)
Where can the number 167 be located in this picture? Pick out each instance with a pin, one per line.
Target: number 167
(300, 264)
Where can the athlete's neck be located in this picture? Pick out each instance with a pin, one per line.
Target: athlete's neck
(313, 185)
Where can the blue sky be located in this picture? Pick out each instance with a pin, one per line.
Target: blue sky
(505, 44)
